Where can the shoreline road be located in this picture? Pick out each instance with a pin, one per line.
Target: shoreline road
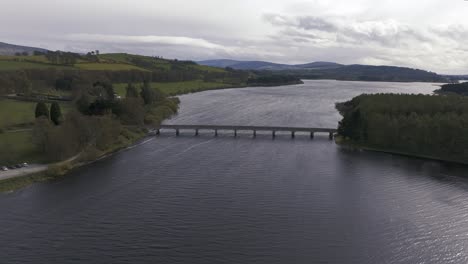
(32, 168)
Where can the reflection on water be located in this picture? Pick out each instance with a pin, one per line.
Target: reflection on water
(203, 199)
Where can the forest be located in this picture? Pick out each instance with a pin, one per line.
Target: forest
(269, 79)
(368, 73)
(421, 125)
(454, 88)
(96, 123)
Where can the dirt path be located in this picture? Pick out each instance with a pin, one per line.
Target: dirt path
(33, 168)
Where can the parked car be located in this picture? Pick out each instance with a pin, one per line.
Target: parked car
(4, 168)
(11, 167)
(25, 164)
(18, 166)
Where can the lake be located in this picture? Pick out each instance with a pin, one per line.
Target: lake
(222, 199)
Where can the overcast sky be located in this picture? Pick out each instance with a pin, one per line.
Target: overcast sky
(428, 34)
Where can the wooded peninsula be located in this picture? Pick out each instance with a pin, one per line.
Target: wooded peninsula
(418, 125)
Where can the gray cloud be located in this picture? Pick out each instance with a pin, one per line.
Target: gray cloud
(429, 34)
(301, 22)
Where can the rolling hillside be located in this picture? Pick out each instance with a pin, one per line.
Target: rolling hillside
(10, 49)
(264, 65)
(330, 70)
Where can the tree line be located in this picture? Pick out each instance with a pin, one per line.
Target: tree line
(27, 80)
(425, 125)
(454, 88)
(100, 120)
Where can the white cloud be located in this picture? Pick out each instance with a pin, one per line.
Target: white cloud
(162, 40)
(428, 34)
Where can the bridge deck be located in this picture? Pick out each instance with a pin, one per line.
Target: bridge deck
(273, 129)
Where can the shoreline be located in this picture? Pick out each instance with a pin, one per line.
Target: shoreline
(237, 87)
(52, 171)
(340, 142)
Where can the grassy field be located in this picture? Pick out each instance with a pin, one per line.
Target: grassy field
(6, 65)
(18, 147)
(14, 112)
(154, 62)
(107, 67)
(176, 88)
(39, 58)
(149, 62)
(210, 69)
(111, 61)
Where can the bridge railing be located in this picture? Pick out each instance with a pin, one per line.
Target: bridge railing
(254, 129)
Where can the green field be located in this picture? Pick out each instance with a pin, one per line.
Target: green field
(176, 88)
(18, 147)
(39, 58)
(151, 62)
(141, 61)
(209, 69)
(107, 62)
(6, 65)
(107, 67)
(14, 112)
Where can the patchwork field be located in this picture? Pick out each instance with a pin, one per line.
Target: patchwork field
(107, 67)
(6, 65)
(176, 88)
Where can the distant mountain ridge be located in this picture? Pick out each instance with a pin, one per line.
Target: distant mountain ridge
(264, 65)
(314, 70)
(335, 71)
(11, 49)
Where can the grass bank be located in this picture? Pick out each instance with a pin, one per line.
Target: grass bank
(56, 171)
(17, 148)
(25, 151)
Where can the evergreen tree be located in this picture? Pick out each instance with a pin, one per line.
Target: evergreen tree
(83, 104)
(132, 91)
(42, 110)
(148, 94)
(56, 113)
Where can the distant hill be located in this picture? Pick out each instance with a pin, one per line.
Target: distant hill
(331, 70)
(264, 65)
(10, 49)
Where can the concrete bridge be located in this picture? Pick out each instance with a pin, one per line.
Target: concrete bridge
(254, 129)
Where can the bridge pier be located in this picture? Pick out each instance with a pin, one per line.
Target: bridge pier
(311, 130)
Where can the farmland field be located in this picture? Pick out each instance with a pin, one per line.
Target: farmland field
(14, 112)
(175, 88)
(17, 148)
(6, 65)
(107, 67)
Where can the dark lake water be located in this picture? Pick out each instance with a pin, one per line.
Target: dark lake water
(243, 200)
